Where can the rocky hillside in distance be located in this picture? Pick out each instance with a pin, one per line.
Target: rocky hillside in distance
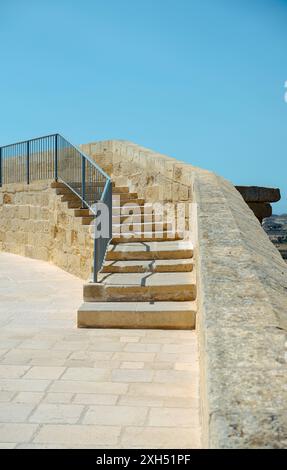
(276, 227)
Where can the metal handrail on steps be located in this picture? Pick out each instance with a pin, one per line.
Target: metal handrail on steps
(53, 157)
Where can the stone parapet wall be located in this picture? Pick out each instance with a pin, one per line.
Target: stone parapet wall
(241, 321)
(155, 177)
(34, 222)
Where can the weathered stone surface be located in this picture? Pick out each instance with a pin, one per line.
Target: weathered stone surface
(242, 322)
(259, 194)
(155, 315)
(153, 176)
(261, 210)
(62, 386)
(264, 430)
(34, 222)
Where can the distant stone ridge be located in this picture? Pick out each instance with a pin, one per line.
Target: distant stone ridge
(276, 228)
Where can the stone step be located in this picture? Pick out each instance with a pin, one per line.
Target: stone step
(70, 197)
(58, 184)
(141, 266)
(120, 220)
(92, 184)
(78, 184)
(136, 218)
(74, 204)
(61, 184)
(155, 315)
(135, 209)
(141, 227)
(150, 251)
(120, 190)
(142, 287)
(125, 196)
(118, 203)
(60, 191)
(88, 220)
(82, 213)
(130, 203)
(146, 236)
(118, 194)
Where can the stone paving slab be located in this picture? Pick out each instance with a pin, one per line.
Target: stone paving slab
(63, 387)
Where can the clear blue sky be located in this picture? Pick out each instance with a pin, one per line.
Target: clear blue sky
(201, 80)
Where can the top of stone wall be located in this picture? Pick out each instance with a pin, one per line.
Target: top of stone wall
(154, 176)
(242, 284)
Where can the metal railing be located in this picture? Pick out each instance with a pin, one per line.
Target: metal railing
(53, 157)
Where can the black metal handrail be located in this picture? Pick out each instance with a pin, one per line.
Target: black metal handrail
(53, 157)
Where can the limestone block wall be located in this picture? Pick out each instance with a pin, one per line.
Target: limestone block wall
(34, 222)
(241, 321)
(155, 177)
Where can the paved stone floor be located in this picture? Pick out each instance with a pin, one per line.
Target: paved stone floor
(66, 387)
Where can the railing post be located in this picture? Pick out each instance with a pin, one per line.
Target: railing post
(1, 176)
(96, 249)
(56, 157)
(28, 162)
(83, 182)
(110, 206)
(101, 243)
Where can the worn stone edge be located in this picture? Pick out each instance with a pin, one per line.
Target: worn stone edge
(241, 319)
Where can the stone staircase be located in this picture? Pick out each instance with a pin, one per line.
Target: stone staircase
(147, 280)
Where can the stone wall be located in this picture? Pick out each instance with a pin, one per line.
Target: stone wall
(155, 177)
(34, 222)
(241, 321)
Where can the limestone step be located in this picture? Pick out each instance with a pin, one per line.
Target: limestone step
(124, 230)
(124, 219)
(74, 204)
(120, 190)
(125, 196)
(58, 184)
(77, 184)
(60, 191)
(82, 213)
(91, 184)
(117, 202)
(118, 193)
(141, 227)
(87, 220)
(141, 266)
(70, 197)
(132, 209)
(145, 236)
(155, 315)
(142, 287)
(149, 251)
(129, 202)
(137, 218)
